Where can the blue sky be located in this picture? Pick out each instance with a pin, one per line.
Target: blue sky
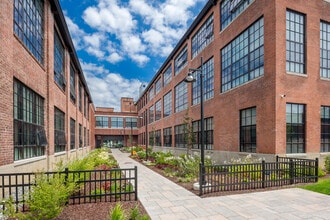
(122, 44)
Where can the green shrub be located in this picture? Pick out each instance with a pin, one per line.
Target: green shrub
(48, 197)
(117, 213)
(10, 209)
(327, 164)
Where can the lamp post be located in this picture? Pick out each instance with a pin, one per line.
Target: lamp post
(146, 124)
(189, 79)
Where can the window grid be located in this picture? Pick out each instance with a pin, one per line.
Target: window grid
(59, 130)
(59, 76)
(325, 129)
(158, 85)
(131, 122)
(29, 132)
(168, 75)
(72, 134)
(179, 136)
(181, 97)
(230, 9)
(242, 60)
(167, 104)
(102, 121)
(85, 137)
(181, 60)
(28, 25)
(80, 97)
(151, 114)
(158, 109)
(203, 37)
(80, 136)
(72, 84)
(167, 135)
(208, 133)
(208, 87)
(117, 122)
(85, 104)
(158, 139)
(248, 134)
(151, 93)
(295, 128)
(295, 42)
(325, 49)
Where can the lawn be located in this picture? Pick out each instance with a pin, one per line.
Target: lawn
(322, 186)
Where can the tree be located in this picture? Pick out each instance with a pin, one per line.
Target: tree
(189, 134)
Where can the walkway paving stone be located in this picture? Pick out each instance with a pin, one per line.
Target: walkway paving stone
(165, 200)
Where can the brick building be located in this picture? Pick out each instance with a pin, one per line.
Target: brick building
(117, 129)
(266, 74)
(46, 110)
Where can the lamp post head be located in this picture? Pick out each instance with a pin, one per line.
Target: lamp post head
(190, 78)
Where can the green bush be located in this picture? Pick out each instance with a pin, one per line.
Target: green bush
(117, 213)
(327, 164)
(48, 197)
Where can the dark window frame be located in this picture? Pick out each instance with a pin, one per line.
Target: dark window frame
(181, 97)
(295, 128)
(29, 26)
(325, 129)
(181, 60)
(295, 42)
(59, 131)
(167, 104)
(325, 49)
(72, 134)
(248, 130)
(203, 37)
(29, 131)
(59, 61)
(167, 137)
(242, 60)
(208, 85)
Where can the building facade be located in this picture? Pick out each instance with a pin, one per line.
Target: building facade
(266, 75)
(46, 110)
(117, 129)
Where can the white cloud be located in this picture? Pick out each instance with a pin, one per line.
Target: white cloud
(109, 16)
(135, 30)
(108, 88)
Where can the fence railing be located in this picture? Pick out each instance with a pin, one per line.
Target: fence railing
(92, 185)
(235, 177)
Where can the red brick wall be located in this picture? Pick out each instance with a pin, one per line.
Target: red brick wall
(263, 93)
(17, 62)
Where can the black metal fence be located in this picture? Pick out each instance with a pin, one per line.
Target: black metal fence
(91, 185)
(235, 177)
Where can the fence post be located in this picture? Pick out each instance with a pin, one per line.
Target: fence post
(316, 169)
(291, 171)
(136, 183)
(263, 167)
(66, 171)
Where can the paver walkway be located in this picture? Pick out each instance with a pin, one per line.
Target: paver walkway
(166, 200)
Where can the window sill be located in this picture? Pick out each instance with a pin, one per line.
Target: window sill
(28, 161)
(297, 74)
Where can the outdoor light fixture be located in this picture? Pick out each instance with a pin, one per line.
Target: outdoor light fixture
(189, 79)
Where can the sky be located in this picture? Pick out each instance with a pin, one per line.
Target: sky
(122, 44)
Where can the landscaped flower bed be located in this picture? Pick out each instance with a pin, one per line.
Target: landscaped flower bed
(96, 176)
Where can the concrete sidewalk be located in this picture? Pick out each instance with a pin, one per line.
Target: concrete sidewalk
(166, 200)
